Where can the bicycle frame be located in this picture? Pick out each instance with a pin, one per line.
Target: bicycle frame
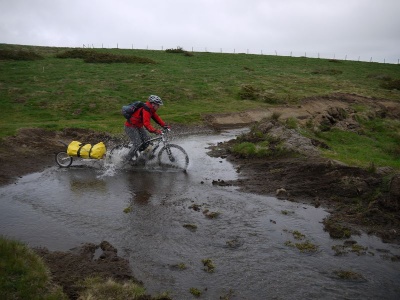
(164, 139)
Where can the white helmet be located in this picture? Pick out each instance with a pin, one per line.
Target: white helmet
(155, 99)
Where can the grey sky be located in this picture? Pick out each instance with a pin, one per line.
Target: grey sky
(331, 28)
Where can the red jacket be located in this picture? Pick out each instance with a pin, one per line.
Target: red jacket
(142, 117)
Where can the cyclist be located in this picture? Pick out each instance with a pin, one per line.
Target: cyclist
(140, 121)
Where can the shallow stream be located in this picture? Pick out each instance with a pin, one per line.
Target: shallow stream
(157, 220)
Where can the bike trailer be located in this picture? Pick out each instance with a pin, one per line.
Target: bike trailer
(79, 149)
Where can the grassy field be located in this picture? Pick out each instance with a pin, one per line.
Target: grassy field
(56, 92)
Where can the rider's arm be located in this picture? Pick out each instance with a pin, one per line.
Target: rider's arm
(158, 120)
(147, 121)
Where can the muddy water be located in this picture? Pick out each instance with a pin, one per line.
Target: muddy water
(149, 216)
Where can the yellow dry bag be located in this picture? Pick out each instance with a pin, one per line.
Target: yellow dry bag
(98, 151)
(78, 149)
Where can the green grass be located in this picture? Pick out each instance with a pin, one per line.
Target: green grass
(378, 144)
(56, 93)
(23, 275)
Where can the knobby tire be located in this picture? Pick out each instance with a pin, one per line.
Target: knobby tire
(179, 158)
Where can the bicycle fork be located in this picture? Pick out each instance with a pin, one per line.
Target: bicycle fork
(169, 152)
(168, 149)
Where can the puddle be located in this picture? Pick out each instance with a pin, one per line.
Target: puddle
(160, 220)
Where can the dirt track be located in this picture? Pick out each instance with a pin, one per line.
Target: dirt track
(317, 109)
(319, 181)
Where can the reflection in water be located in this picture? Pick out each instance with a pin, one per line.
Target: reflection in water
(142, 197)
(140, 186)
(247, 241)
(82, 185)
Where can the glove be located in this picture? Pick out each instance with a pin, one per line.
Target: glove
(167, 126)
(158, 131)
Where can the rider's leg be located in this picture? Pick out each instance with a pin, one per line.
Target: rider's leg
(144, 137)
(135, 136)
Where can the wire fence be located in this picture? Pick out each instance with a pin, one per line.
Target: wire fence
(334, 56)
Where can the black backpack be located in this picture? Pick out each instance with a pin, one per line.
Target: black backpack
(128, 110)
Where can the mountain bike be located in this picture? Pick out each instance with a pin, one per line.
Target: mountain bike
(168, 156)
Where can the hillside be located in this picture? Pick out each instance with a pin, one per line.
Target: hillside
(53, 88)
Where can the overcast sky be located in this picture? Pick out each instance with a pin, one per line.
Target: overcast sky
(352, 29)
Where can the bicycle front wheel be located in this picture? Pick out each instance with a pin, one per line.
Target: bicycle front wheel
(63, 159)
(173, 156)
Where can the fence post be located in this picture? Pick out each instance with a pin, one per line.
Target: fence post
(276, 53)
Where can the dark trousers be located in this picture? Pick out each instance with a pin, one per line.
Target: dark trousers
(137, 136)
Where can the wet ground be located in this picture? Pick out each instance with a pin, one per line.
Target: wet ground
(168, 224)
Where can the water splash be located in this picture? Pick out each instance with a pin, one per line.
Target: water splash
(108, 170)
(113, 163)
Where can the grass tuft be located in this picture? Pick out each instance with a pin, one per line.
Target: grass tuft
(195, 292)
(348, 275)
(19, 55)
(208, 265)
(91, 56)
(393, 84)
(179, 50)
(249, 92)
(327, 72)
(23, 274)
(100, 289)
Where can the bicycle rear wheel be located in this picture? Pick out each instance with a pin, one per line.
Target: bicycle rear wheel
(63, 159)
(173, 156)
(118, 153)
